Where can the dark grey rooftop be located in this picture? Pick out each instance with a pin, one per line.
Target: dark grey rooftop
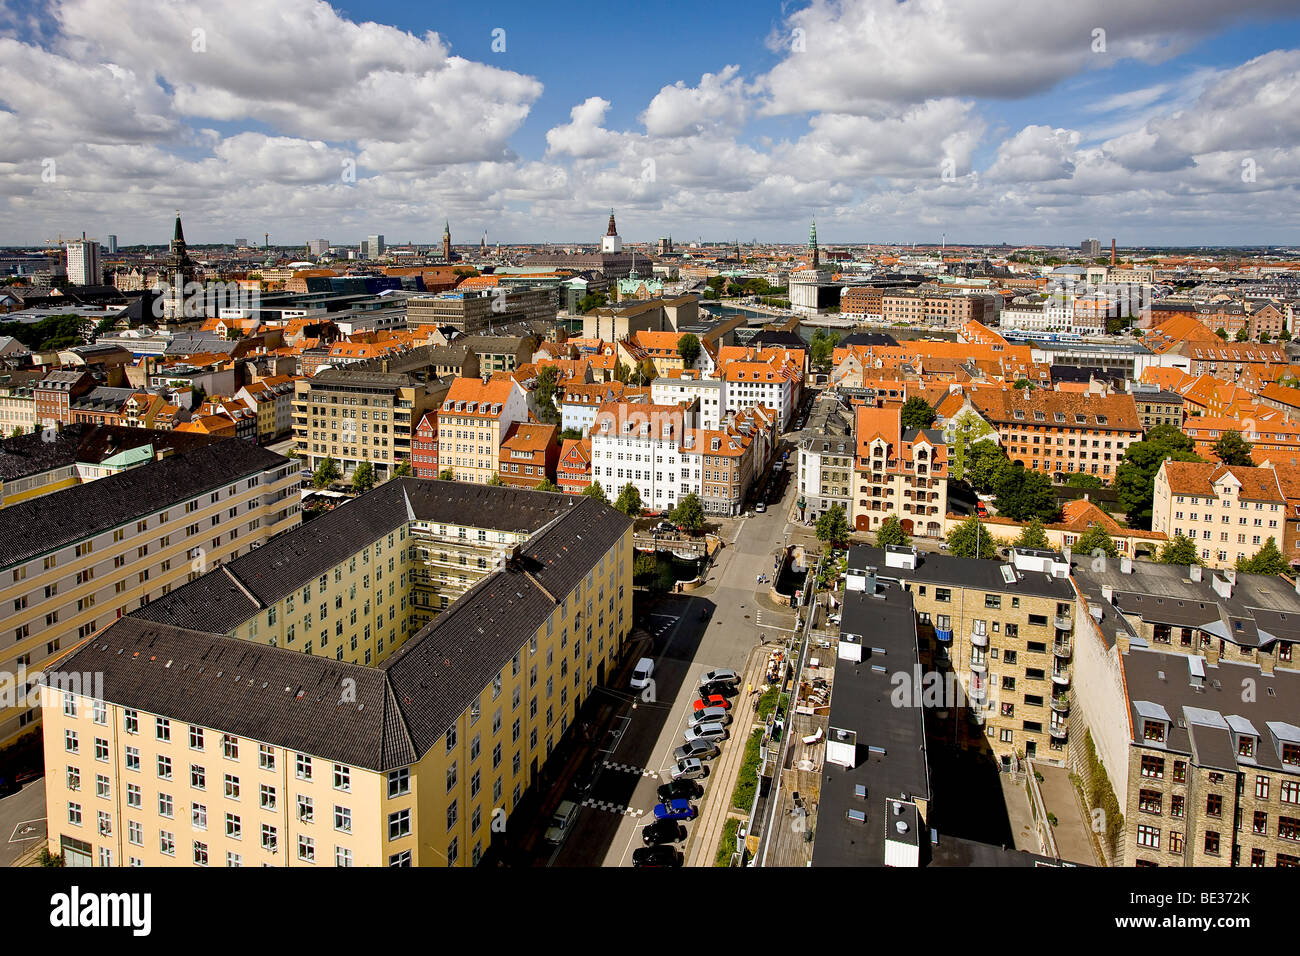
(862, 702)
(40, 525)
(403, 706)
(946, 569)
(1203, 710)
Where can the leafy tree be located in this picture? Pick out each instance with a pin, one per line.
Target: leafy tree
(548, 380)
(575, 433)
(971, 539)
(363, 479)
(689, 513)
(404, 470)
(447, 475)
(646, 372)
(105, 326)
(917, 413)
(1096, 539)
(1284, 335)
(327, 472)
(591, 302)
(1267, 560)
(594, 490)
(547, 485)
(1024, 383)
(1232, 449)
(822, 347)
(963, 432)
(1023, 494)
(1264, 338)
(1242, 335)
(1081, 479)
(984, 463)
(1179, 550)
(833, 526)
(644, 566)
(629, 501)
(621, 372)
(688, 347)
(496, 480)
(1136, 475)
(891, 532)
(1034, 537)
(1222, 333)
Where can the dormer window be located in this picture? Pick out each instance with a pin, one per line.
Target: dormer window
(1246, 746)
(1154, 730)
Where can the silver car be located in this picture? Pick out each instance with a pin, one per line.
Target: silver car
(700, 749)
(721, 674)
(707, 731)
(711, 714)
(688, 769)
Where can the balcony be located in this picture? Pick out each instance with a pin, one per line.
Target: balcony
(1061, 650)
(1058, 731)
(1061, 678)
(1061, 704)
(1064, 622)
(979, 639)
(943, 634)
(979, 667)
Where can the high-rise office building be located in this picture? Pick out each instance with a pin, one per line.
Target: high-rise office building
(318, 247)
(83, 263)
(111, 245)
(1090, 247)
(372, 247)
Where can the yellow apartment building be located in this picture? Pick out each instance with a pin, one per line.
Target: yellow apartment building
(76, 560)
(473, 419)
(218, 741)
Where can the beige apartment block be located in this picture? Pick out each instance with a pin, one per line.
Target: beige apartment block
(219, 740)
(74, 561)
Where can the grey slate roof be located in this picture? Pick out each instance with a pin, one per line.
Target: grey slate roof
(40, 525)
(403, 706)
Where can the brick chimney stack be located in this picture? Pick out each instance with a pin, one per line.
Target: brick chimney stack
(1112, 253)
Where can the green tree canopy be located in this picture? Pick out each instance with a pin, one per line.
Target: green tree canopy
(575, 433)
(547, 485)
(689, 513)
(688, 347)
(1023, 494)
(594, 490)
(891, 532)
(917, 413)
(1267, 560)
(447, 475)
(1079, 479)
(496, 480)
(822, 347)
(832, 527)
(1232, 449)
(1136, 475)
(327, 472)
(1179, 550)
(1033, 536)
(984, 463)
(1222, 333)
(591, 302)
(971, 539)
(629, 501)
(403, 470)
(363, 478)
(1095, 539)
(1242, 335)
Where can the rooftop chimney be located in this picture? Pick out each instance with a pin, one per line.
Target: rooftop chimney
(1194, 572)
(1112, 253)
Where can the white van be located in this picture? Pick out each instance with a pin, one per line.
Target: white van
(641, 675)
(560, 821)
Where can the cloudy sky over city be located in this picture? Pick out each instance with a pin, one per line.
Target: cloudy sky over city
(1159, 122)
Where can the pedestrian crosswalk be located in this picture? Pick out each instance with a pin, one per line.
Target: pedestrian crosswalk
(660, 623)
(631, 768)
(610, 807)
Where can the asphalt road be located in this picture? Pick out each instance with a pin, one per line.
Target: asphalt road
(22, 821)
(636, 757)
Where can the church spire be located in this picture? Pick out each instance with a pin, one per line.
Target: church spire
(612, 230)
(178, 235)
(812, 245)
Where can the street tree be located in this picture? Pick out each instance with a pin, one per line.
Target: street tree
(1034, 536)
(1096, 539)
(917, 413)
(363, 478)
(832, 527)
(1135, 476)
(688, 347)
(594, 490)
(1179, 550)
(1232, 449)
(1023, 494)
(629, 501)
(971, 539)
(327, 472)
(689, 513)
(1267, 560)
(891, 532)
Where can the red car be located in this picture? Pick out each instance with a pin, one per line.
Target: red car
(981, 510)
(713, 700)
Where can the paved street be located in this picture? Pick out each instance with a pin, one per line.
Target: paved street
(22, 822)
(716, 626)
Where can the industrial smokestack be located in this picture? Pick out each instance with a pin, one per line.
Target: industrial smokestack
(1112, 253)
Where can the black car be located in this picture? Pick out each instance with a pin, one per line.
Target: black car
(679, 790)
(8, 785)
(657, 856)
(725, 688)
(584, 779)
(662, 831)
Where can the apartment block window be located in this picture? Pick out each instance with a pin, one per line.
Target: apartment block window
(266, 797)
(399, 782)
(342, 856)
(302, 767)
(1153, 767)
(343, 819)
(269, 838)
(342, 777)
(230, 747)
(1148, 836)
(1211, 842)
(196, 738)
(265, 757)
(399, 824)
(162, 729)
(1214, 805)
(232, 787)
(306, 809)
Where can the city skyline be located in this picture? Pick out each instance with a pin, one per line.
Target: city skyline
(888, 123)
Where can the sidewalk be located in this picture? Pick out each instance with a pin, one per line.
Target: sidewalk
(715, 808)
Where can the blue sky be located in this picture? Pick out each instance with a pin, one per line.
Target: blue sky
(987, 120)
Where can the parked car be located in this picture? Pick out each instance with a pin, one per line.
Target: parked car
(720, 674)
(688, 769)
(679, 790)
(760, 507)
(8, 785)
(661, 832)
(713, 700)
(710, 715)
(560, 821)
(708, 731)
(699, 749)
(651, 856)
(641, 673)
(585, 778)
(724, 688)
(676, 810)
